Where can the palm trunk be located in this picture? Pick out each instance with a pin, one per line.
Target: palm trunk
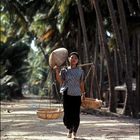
(79, 38)
(130, 7)
(129, 102)
(96, 51)
(120, 49)
(101, 69)
(138, 3)
(112, 104)
(138, 77)
(83, 30)
(116, 68)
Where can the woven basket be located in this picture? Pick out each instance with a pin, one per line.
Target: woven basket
(48, 114)
(90, 103)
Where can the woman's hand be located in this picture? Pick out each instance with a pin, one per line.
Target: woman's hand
(57, 70)
(83, 97)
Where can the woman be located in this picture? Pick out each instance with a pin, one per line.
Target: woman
(72, 88)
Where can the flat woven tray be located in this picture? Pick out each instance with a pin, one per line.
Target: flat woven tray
(46, 113)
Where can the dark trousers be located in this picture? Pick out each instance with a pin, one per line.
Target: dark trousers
(71, 117)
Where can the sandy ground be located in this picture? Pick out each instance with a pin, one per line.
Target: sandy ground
(19, 121)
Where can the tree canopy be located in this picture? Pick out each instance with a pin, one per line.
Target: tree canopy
(105, 32)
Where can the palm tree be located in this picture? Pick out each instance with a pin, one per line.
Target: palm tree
(119, 49)
(129, 101)
(138, 77)
(112, 106)
(85, 38)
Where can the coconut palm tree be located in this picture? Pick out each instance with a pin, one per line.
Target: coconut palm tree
(110, 70)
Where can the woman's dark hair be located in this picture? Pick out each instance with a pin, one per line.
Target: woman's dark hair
(74, 53)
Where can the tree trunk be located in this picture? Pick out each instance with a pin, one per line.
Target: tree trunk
(136, 68)
(130, 7)
(101, 70)
(138, 76)
(112, 104)
(120, 48)
(79, 40)
(86, 44)
(95, 61)
(129, 101)
(116, 67)
(138, 3)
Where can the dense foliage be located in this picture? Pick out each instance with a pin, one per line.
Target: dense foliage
(103, 32)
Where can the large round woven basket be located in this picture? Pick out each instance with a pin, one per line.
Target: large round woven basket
(46, 113)
(58, 57)
(90, 103)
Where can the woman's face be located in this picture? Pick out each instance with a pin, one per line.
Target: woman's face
(73, 59)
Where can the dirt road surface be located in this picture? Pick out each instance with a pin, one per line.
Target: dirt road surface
(20, 122)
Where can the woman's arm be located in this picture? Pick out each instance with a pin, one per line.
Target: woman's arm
(58, 77)
(82, 87)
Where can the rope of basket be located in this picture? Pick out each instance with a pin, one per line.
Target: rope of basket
(93, 70)
(50, 113)
(91, 103)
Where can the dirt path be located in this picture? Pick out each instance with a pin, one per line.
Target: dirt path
(20, 122)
